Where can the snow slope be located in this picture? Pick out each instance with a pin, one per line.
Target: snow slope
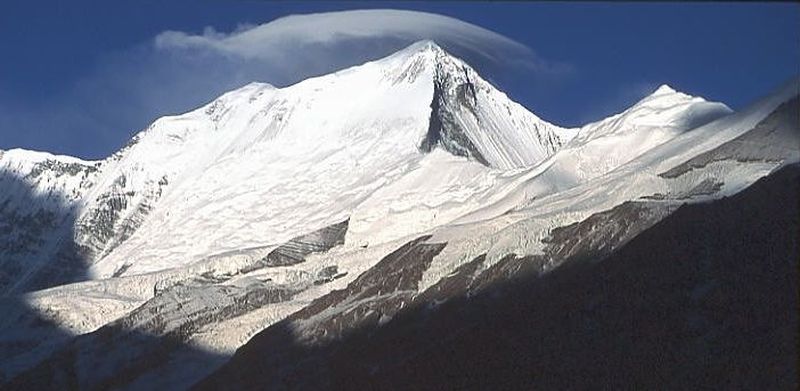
(260, 165)
(600, 147)
(519, 222)
(604, 145)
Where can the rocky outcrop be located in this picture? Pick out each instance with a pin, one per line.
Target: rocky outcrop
(115, 215)
(295, 250)
(38, 204)
(444, 129)
(372, 298)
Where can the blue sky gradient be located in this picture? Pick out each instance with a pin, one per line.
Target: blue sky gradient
(71, 72)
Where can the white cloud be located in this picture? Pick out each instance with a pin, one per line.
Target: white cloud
(335, 27)
(356, 35)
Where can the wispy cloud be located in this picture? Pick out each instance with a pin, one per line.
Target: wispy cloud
(177, 71)
(357, 35)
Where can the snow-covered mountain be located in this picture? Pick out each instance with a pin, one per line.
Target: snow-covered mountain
(334, 205)
(233, 169)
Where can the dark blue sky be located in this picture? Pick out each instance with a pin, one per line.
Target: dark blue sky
(57, 57)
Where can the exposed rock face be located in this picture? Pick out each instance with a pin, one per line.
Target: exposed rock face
(38, 204)
(704, 297)
(373, 298)
(116, 214)
(295, 250)
(444, 129)
(470, 118)
(59, 168)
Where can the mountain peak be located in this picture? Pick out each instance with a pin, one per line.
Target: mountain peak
(671, 108)
(472, 118)
(665, 108)
(664, 89)
(425, 45)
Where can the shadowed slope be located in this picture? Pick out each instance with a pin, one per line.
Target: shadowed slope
(30, 220)
(705, 298)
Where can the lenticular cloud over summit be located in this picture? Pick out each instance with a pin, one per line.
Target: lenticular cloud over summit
(370, 33)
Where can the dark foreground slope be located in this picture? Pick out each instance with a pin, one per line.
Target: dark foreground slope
(707, 297)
